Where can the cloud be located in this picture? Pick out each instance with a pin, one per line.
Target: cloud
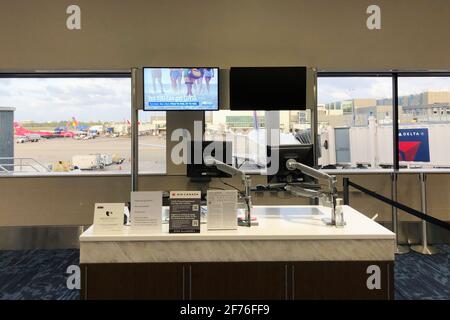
(343, 88)
(57, 99)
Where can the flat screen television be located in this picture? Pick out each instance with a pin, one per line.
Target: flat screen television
(268, 88)
(181, 88)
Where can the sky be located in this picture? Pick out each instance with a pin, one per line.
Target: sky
(108, 99)
(337, 89)
(56, 99)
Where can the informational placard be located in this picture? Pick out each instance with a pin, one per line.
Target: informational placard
(108, 218)
(184, 215)
(222, 209)
(146, 211)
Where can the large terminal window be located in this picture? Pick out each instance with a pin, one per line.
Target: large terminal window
(355, 120)
(424, 120)
(74, 123)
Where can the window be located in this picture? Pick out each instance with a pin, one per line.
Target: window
(246, 131)
(152, 142)
(75, 123)
(355, 121)
(295, 127)
(424, 120)
(69, 123)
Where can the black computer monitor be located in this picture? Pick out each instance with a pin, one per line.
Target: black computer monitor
(196, 168)
(303, 153)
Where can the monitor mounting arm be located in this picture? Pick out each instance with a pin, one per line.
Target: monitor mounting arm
(329, 194)
(246, 181)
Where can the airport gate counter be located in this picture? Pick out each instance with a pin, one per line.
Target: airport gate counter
(291, 254)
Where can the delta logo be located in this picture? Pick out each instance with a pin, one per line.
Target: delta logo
(413, 145)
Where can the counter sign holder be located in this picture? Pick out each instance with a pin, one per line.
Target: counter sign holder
(184, 214)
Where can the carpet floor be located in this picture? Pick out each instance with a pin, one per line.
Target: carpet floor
(42, 274)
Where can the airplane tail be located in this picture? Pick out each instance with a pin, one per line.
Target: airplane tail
(19, 130)
(74, 122)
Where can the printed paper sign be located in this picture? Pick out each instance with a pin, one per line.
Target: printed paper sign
(222, 209)
(108, 218)
(146, 211)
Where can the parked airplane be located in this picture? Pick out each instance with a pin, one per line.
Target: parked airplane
(21, 131)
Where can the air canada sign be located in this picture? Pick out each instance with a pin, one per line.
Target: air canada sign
(414, 145)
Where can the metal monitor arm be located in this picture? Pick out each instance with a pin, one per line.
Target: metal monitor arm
(329, 195)
(246, 181)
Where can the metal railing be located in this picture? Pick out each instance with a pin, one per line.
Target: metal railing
(424, 248)
(14, 163)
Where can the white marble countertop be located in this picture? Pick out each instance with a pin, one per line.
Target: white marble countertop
(275, 223)
(356, 171)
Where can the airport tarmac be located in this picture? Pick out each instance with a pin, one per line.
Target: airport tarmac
(152, 151)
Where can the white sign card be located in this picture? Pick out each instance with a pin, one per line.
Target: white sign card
(222, 209)
(108, 218)
(146, 211)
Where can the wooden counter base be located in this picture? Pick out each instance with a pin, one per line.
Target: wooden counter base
(239, 280)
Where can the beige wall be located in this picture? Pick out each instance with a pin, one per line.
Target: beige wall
(53, 201)
(69, 201)
(322, 33)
